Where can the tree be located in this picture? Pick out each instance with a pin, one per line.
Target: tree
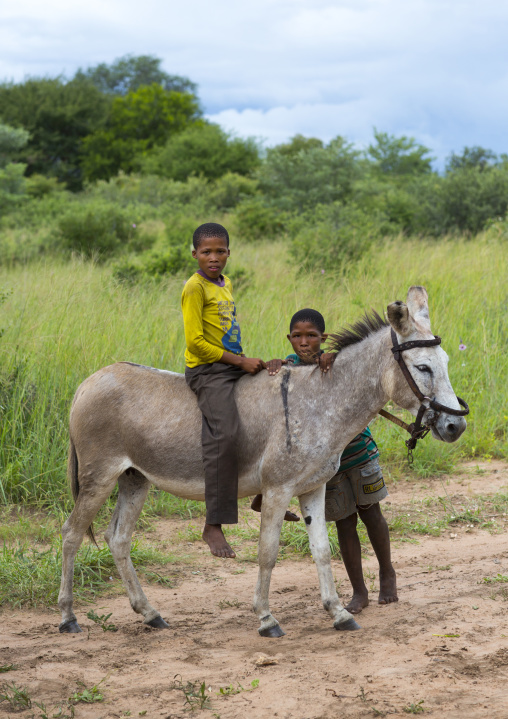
(299, 143)
(305, 172)
(472, 157)
(12, 139)
(471, 196)
(202, 149)
(136, 123)
(130, 72)
(398, 155)
(58, 115)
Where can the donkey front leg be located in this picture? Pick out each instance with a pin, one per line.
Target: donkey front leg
(313, 510)
(132, 491)
(272, 515)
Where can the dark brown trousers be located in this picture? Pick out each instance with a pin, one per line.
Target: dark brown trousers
(214, 386)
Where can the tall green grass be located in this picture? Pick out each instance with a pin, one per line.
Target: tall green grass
(63, 321)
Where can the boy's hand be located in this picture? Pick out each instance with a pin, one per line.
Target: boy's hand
(274, 365)
(325, 361)
(251, 365)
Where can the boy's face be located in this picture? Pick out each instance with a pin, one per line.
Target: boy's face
(306, 340)
(212, 255)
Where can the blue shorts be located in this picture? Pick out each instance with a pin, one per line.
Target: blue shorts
(357, 487)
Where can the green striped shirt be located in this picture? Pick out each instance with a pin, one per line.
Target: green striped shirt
(360, 450)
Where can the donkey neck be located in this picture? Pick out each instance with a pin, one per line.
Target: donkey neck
(351, 394)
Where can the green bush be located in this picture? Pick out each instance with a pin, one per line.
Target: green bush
(171, 256)
(97, 229)
(153, 196)
(12, 186)
(255, 219)
(39, 185)
(335, 235)
(155, 265)
(34, 213)
(304, 173)
(472, 196)
(201, 149)
(230, 189)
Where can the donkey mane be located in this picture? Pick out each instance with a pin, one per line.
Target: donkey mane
(370, 323)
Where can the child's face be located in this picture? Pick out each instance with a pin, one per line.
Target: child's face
(212, 255)
(306, 340)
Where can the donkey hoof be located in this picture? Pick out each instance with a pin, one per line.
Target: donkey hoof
(349, 625)
(272, 632)
(71, 626)
(158, 623)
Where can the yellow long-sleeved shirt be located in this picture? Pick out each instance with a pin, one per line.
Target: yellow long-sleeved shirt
(209, 320)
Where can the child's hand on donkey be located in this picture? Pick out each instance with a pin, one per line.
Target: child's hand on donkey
(274, 365)
(325, 361)
(252, 365)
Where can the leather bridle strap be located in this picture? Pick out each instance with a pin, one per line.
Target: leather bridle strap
(395, 420)
(397, 353)
(432, 403)
(416, 429)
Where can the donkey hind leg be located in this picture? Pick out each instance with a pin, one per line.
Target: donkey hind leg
(313, 510)
(272, 515)
(88, 503)
(132, 491)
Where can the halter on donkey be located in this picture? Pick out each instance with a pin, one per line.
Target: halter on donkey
(293, 429)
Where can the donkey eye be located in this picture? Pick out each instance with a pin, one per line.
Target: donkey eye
(423, 368)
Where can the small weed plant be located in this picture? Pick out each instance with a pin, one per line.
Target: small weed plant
(65, 711)
(498, 579)
(227, 603)
(194, 693)
(102, 621)
(6, 668)
(414, 708)
(17, 698)
(231, 690)
(87, 696)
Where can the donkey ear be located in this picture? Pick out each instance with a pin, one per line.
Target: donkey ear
(400, 319)
(418, 305)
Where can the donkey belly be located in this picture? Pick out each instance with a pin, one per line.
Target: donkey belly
(130, 416)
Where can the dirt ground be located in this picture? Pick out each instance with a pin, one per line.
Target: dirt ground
(442, 648)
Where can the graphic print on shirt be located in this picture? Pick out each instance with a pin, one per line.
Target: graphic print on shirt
(232, 340)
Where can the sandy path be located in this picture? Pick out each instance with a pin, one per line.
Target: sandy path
(400, 656)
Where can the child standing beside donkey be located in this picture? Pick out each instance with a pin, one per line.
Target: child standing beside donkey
(358, 486)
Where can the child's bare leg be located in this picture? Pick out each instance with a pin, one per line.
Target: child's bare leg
(379, 536)
(351, 552)
(214, 537)
(256, 506)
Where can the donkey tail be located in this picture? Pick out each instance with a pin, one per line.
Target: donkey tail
(72, 474)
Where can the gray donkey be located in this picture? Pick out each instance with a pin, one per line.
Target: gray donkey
(294, 427)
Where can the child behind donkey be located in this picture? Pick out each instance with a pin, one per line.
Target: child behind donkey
(214, 362)
(358, 486)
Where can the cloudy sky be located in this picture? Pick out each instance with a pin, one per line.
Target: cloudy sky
(436, 70)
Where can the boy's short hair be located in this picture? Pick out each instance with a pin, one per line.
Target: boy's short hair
(308, 315)
(209, 229)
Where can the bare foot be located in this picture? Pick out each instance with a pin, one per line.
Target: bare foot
(214, 537)
(357, 603)
(291, 516)
(388, 587)
(256, 506)
(256, 503)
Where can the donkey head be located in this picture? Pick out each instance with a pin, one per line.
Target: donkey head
(427, 365)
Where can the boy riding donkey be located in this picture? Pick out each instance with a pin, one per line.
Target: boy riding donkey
(358, 486)
(214, 362)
